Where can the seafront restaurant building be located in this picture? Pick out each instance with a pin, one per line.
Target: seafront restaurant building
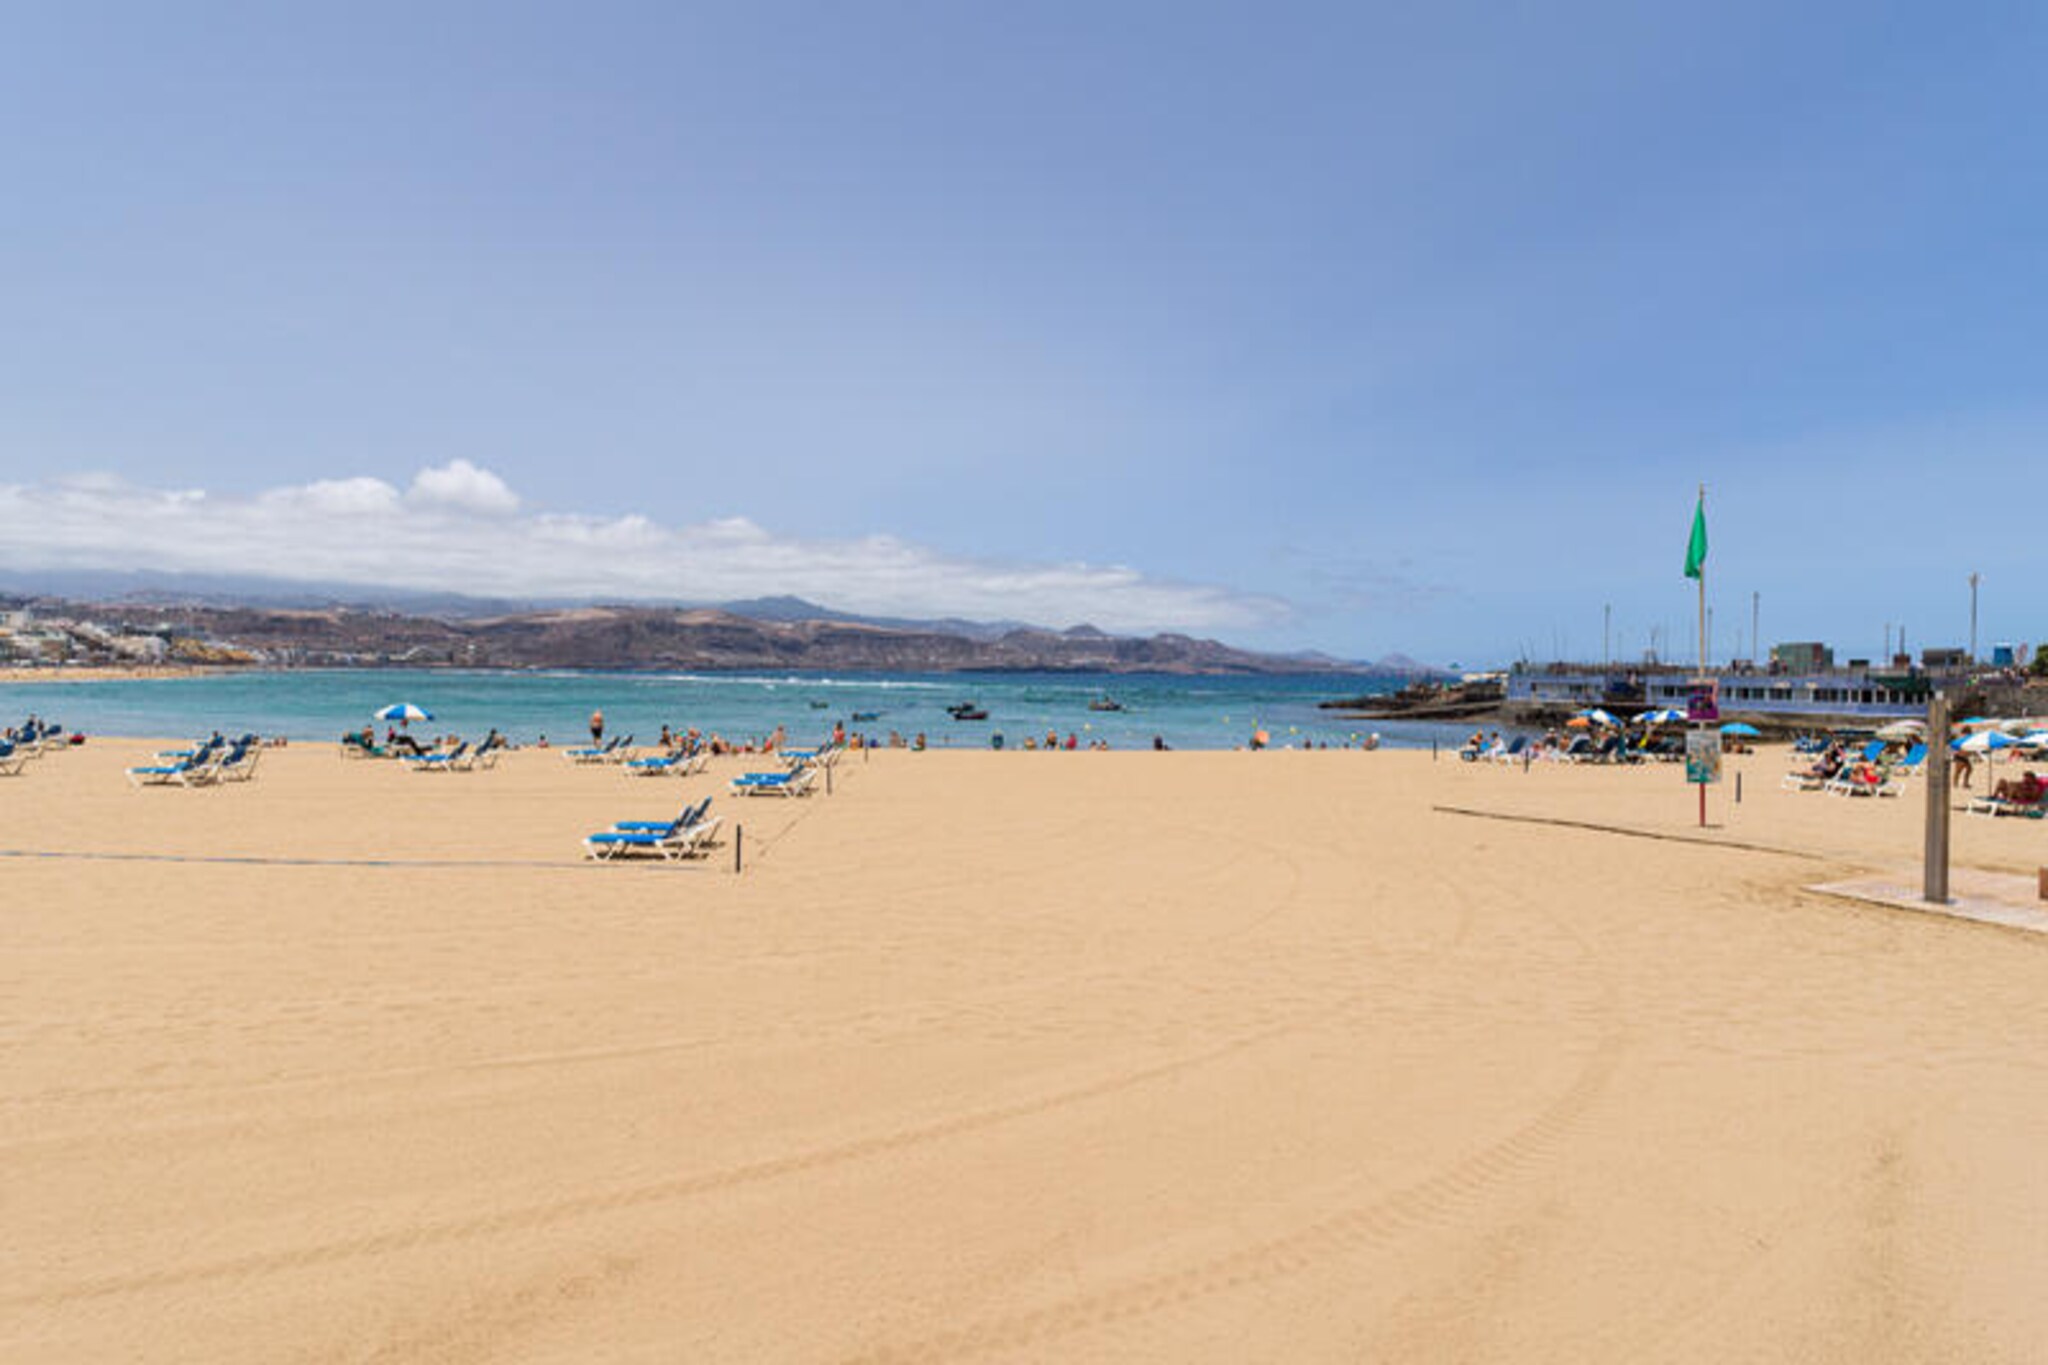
(1816, 693)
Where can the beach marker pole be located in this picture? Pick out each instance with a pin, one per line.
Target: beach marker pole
(1738, 789)
(828, 779)
(1934, 886)
(739, 841)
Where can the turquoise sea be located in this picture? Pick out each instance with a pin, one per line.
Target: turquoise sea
(1187, 713)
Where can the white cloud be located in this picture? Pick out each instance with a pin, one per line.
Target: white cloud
(463, 487)
(459, 529)
(341, 497)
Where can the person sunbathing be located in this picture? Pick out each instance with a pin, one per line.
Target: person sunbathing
(2025, 790)
(1829, 765)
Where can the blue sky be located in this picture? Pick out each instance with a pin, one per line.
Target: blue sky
(1350, 327)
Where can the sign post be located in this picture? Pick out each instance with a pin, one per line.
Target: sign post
(1703, 740)
(1703, 762)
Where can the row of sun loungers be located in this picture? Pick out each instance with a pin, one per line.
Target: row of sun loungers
(690, 834)
(1865, 774)
(790, 782)
(668, 765)
(615, 750)
(798, 777)
(1583, 749)
(31, 740)
(204, 765)
(463, 758)
(694, 830)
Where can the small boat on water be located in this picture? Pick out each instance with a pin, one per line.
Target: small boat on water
(1105, 704)
(966, 710)
(866, 715)
(819, 705)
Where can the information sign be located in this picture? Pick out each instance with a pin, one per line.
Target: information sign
(1703, 755)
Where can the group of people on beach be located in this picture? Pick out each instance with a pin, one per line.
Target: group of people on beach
(1052, 742)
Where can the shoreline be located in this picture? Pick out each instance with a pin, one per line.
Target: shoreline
(77, 673)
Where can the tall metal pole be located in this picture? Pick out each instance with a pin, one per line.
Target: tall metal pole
(1935, 883)
(1973, 618)
(1607, 639)
(1756, 639)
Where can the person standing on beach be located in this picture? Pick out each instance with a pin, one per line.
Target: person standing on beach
(597, 727)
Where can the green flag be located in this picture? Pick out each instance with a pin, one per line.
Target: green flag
(1696, 549)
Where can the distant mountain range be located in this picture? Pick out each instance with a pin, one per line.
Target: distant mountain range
(336, 624)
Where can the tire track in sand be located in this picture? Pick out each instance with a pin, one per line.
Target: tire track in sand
(1425, 1203)
(683, 1187)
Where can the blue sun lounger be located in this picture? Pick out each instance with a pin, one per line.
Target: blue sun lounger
(796, 782)
(186, 772)
(439, 761)
(688, 834)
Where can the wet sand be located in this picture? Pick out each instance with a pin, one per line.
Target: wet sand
(1182, 1057)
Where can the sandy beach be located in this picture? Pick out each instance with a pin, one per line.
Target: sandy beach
(71, 673)
(1187, 1057)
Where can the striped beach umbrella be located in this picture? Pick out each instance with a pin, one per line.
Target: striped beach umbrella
(404, 712)
(1596, 716)
(1665, 716)
(1985, 742)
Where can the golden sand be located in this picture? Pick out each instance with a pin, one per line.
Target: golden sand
(1184, 1057)
(68, 673)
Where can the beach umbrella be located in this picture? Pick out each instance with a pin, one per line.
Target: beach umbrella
(1903, 729)
(1741, 729)
(1981, 723)
(1598, 717)
(1666, 716)
(404, 712)
(1985, 742)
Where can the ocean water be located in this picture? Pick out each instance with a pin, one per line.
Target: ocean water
(1187, 713)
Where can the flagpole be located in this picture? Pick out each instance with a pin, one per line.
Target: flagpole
(1703, 603)
(1705, 684)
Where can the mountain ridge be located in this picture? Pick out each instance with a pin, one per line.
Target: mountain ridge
(636, 637)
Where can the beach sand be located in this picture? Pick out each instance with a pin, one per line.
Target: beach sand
(69, 673)
(1187, 1057)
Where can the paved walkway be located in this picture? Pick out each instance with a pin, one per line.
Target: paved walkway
(1987, 897)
